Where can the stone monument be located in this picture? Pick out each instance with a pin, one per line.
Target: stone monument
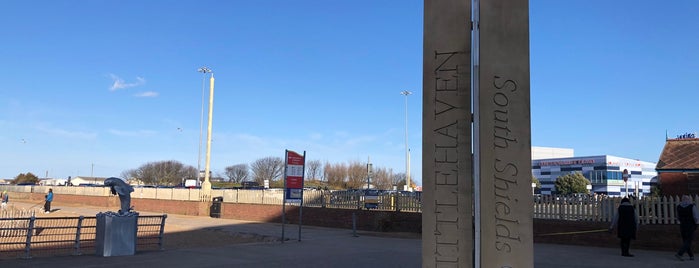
(477, 203)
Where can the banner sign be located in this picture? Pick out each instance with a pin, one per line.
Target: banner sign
(293, 177)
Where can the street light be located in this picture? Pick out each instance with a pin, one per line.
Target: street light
(204, 70)
(407, 163)
(369, 168)
(206, 185)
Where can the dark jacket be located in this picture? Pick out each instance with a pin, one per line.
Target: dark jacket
(625, 221)
(685, 215)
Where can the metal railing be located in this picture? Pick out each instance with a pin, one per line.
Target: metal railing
(55, 236)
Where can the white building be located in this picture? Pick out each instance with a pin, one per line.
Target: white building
(604, 173)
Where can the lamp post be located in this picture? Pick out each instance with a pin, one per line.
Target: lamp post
(407, 164)
(204, 70)
(369, 168)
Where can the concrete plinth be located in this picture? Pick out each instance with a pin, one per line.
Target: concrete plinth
(116, 234)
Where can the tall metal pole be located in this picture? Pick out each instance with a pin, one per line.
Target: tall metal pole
(407, 165)
(476, 91)
(204, 70)
(368, 173)
(206, 186)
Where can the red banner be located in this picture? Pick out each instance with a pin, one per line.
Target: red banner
(294, 170)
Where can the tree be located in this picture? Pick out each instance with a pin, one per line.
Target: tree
(168, 173)
(28, 178)
(268, 168)
(237, 173)
(314, 170)
(336, 175)
(536, 181)
(381, 179)
(571, 184)
(399, 181)
(356, 175)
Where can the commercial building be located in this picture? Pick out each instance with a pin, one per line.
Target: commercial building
(605, 173)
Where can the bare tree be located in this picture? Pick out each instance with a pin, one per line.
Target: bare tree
(268, 168)
(162, 173)
(356, 175)
(381, 179)
(314, 170)
(399, 180)
(336, 174)
(237, 173)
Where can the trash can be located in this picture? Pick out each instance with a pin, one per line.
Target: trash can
(216, 207)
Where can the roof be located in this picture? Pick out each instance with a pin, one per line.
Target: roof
(679, 154)
(88, 178)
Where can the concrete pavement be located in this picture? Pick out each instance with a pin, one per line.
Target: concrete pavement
(323, 247)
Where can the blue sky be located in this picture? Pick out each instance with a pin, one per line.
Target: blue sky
(98, 87)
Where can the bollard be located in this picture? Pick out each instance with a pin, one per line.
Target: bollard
(354, 224)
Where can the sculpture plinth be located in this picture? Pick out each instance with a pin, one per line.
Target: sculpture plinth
(116, 234)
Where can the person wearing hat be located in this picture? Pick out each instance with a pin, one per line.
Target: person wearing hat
(624, 221)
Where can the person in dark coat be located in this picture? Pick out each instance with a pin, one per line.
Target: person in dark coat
(688, 215)
(123, 189)
(625, 220)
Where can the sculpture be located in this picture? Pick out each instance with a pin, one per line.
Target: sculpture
(123, 189)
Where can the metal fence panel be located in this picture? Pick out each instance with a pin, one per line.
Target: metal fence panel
(57, 236)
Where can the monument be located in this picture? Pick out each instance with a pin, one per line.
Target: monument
(116, 232)
(477, 204)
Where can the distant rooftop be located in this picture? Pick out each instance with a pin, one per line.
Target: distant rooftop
(681, 153)
(551, 152)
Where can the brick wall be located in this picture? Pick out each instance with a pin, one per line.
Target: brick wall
(654, 237)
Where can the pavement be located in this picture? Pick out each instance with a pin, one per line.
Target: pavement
(320, 247)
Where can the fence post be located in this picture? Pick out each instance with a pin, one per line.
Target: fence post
(28, 244)
(77, 235)
(162, 230)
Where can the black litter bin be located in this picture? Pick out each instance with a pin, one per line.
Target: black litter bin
(216, 207)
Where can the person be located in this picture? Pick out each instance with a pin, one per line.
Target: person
(123, 189)
(49, 198)
(688, 215)
(624, 221)
(5, 199)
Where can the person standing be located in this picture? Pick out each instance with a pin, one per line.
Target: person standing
(688, 215)
(49, 198)
(5, 199)
(624, 221)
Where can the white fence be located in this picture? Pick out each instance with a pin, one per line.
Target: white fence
(650, 210)
(311, 198)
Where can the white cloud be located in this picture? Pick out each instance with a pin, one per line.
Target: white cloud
(119, 83)
(147, 94)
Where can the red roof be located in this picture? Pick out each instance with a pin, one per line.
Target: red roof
(682, 154)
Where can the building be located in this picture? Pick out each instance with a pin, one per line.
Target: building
(77, 181)
(551, 152)
(678, 167)
(604, 172)
(52, 182)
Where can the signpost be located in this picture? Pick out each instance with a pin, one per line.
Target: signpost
(294, 166)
